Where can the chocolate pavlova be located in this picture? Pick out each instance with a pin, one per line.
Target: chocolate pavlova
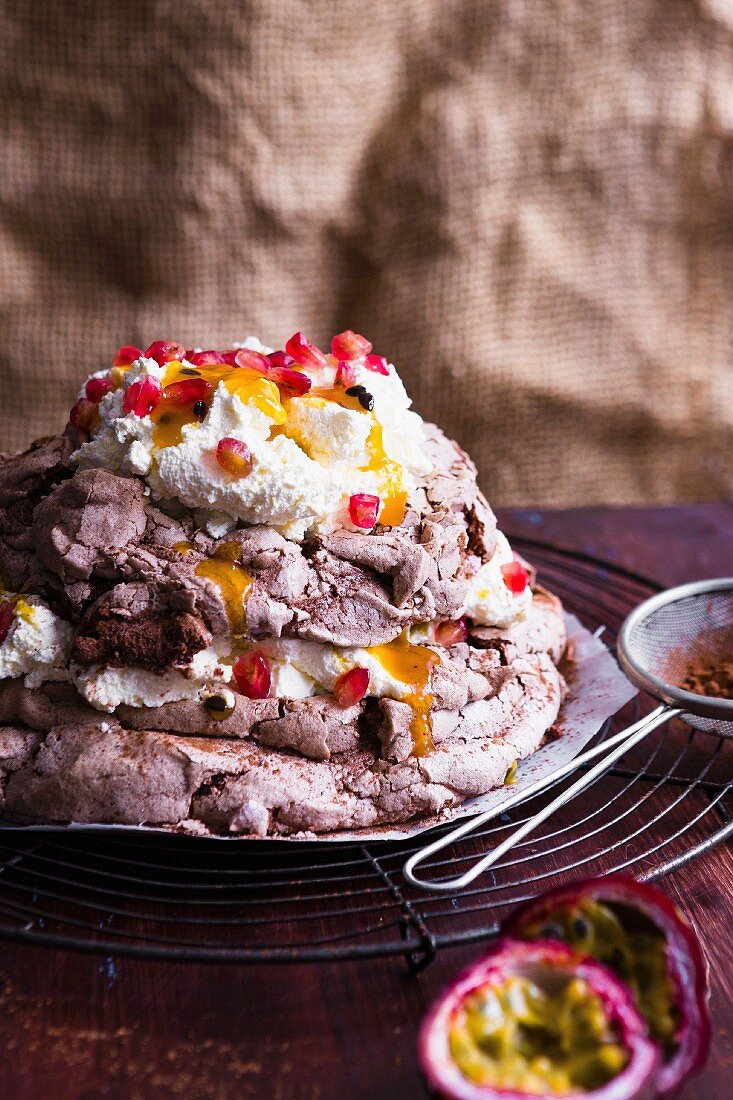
(251, 592)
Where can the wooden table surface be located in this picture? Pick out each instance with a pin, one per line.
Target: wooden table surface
(73, 1027)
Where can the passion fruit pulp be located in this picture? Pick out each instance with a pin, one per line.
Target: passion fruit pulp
(635, 930)
(536, 1019)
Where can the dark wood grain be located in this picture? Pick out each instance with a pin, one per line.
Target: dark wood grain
(74, 1027)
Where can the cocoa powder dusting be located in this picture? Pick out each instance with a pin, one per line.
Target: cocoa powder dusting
(711, 678)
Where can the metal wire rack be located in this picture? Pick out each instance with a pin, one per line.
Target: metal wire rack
(180, 898)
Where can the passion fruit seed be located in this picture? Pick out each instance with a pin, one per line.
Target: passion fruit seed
(252, 675)
(305, 353)
(350, 345)
(450, 632)
(142, 396)
(234, 456)
(7, 614)
(200, 410)
(252, 360)
(165, 351)
(376, 363)
(515, 577)
(190, 372)
(351, 686)
(83, 414)
(344, 375)
(188, 391)
(126, 355)
(218, 707)
(366, 401)
(363, 510)
(96, 388)
(511, 775)
(354, 391)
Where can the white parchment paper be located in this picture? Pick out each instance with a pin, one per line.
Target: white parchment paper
(597, 690)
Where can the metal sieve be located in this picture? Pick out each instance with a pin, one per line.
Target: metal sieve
(662, 642)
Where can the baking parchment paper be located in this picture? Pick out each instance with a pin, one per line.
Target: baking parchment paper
(597, 690)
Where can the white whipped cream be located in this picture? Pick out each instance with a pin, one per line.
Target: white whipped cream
(488, 601)
(319, 666)
(302, 475)
(36, 645)
(106, 687)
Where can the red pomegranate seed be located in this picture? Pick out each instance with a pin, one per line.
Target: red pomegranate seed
(204, 358)
(450, 633)
(363, 510)
(351, 686)
(96, 388)
(345, 375)
(253, 360)
(377, 363)
(7, 614)
(234, 456)
(83, 415)
(252, 674)
(188, 391)
(280, 359)
(307, 355)
(350, 345)
(126, 355)
(163, 351)
(515, 577)
(142, 396)
(293, 383)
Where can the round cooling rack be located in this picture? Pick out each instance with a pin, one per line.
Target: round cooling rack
(180, 898)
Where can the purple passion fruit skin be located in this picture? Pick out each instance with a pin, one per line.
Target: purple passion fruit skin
(637, 932)
(536, 1019)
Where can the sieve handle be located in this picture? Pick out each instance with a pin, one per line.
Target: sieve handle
(619, 744)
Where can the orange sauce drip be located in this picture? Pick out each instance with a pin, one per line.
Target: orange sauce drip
(412, 664)
(232, 580)
(387, 471)
(169, 418)
(184, 547)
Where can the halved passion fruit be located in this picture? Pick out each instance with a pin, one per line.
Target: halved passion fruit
(537, 1019)
(635, 930)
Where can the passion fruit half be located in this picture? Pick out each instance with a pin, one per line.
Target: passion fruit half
(537, 1019)
(635, 930)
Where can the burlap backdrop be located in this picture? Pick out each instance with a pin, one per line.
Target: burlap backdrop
(527, 205)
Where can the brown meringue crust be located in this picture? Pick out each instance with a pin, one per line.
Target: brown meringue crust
(92, 544)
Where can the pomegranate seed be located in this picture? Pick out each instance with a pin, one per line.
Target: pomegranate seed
(7, 614)
(83, 415)
(163, 351)
(363, 510)
(515, 577)
(345, 375)
(142, 396)
(96, 388)
(234, 456)
(377, 363)
(280, 359)
(126, 355)
(188, 391)
(307, 355)
(252, 673)
(350, 345)
(450, 633)
(351, 686)
(252, 360)
(293, 383)
(204, 358)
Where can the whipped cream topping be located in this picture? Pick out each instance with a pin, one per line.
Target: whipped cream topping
(106, 687)
(489, 602)
(37, 643)
(310, 453)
